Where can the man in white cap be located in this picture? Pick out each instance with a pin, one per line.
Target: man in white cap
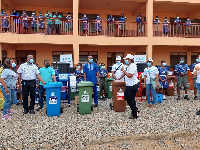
(117, 74)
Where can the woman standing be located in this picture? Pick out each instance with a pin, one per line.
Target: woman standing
(8, 80)
(163, 78)
(151, 81)
(132, 85)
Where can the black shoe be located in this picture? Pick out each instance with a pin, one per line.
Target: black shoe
(38, 109)
(186, 97)
(179, 98)
(32, 112)
(25, 111)
(195, 98)
(198, 112)
(96, 105)
(131, 117)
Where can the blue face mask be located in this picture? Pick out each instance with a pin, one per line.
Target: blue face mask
(127, 62)
(148, 64)
(197, 60)
(31, 61)
(181, 61)
(118, 62)
(91, 60)
(13, 65)
(102, 67)
(78, 67)
(164, 64)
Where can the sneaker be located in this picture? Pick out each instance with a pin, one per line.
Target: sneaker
(38, 109)
(195, 98)
(4, 117)
(10, 112)
(186, 97)
(179, 98)
(198, 112)
(164, 98)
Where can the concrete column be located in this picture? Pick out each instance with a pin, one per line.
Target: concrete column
(75, 17)
(189, 58)
(149, 51)
(149, 18)
(76, 53)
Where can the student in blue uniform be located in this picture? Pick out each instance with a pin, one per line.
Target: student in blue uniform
(177, 25)
(41, 22)
(85, 25)
(16, 21)
(25, 21)
(49, 22)
(181, 70)
(79, 73)
(156, 23)
(188, 27)
(139, 24)
(163, 78)
(98, 25)
(34, 22)
(102, 80)
(69, 22)
(165, 27)
(57, 22)
(91, 73)
(195, 78)
(5, 22)
(122, 25)
(110, 22)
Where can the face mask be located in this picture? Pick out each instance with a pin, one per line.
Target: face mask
(197, 60)
(102, 67)
(181, 62)
(31, 61)
(164, 64)
(118, 62)
(97, 16)
(78, 67)
(127, 62)
(47, 65)
(148, 64)
(91, 60)
(13, 65)
(177, 17)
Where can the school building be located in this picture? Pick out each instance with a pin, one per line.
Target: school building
(149, 39)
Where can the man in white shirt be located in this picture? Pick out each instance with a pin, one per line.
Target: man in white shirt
(28, 72)
(117, 74)
(132, 84)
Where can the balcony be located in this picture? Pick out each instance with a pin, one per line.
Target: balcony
(111, 29)
(11, 24)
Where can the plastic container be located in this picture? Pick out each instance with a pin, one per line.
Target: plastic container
(109, 87)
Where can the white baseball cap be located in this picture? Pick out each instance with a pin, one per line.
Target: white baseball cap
(118, 58)
(151, 60)
(129, 56)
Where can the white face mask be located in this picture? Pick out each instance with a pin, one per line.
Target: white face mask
(177, 17)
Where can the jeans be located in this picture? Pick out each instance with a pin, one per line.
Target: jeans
(8, 99)
(149, 88)
(129, 96)
(95, 94)
(28, 86)
(41, 95)
(58, 28)
(198, 89)
(49, 26)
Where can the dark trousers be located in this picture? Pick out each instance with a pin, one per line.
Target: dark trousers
(57, 28)
(41, 95)
(129, 96)
(28, 86)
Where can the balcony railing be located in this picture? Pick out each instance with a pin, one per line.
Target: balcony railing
(30, 25)
(183, 30)
(111, 28)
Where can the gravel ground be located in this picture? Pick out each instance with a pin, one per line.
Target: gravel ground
(170, 125)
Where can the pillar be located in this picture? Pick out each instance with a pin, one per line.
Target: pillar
(149, 51)
(75, 17)
(149, 18)
(76, 53)
(189, 58)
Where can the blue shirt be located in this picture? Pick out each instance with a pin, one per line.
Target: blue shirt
(192, 67)
(103, 72)
(10, 78)
(16, 17)
(156, 21)
(91, 70)
(110, 20)
(177, 22)
(181, 68)
(57, 19)
(187, 23)
(138, 19)
(48, 16)
(46, 74)
(163, 71)
(122, 19)
(77, 73)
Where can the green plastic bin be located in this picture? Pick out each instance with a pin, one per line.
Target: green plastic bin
(73, 92)
(109, 87)
(85, 97)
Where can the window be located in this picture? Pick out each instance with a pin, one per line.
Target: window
(56, 55)
(175, 58)
(194, 55)
(4, 56)
(83, 57)
(111, 57)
